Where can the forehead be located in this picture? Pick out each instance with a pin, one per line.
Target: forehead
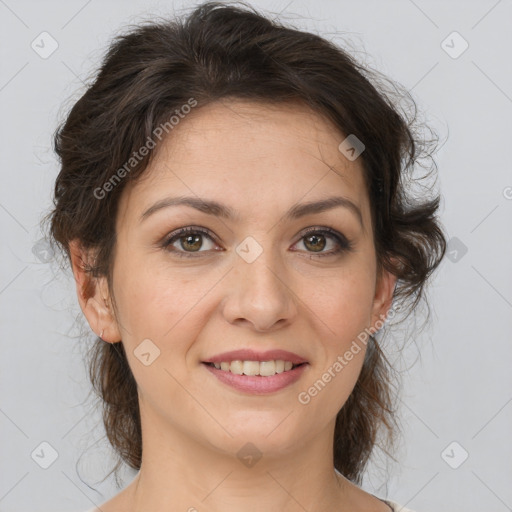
(249, 154)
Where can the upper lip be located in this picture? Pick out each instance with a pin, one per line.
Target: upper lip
(254, 355)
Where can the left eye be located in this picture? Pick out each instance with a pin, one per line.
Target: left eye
(316, 240)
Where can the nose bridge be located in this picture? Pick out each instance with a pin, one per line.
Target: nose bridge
(258, 269)
(260, 276)
(259, 293)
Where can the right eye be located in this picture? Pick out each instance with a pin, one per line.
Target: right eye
(186, 241)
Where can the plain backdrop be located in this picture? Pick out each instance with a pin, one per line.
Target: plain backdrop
(457, 398)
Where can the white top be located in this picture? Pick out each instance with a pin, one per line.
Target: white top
(395, 506)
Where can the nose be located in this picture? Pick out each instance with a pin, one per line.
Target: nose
(259, 295)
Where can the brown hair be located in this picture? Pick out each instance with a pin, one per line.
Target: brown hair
(221, 51)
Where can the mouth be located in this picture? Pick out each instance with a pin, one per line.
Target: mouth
(255, 368)
(256, 373)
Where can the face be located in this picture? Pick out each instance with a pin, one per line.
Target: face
(260, 270)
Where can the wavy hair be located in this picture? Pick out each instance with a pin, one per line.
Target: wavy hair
(221, 51)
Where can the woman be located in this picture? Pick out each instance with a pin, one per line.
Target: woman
(233, 201)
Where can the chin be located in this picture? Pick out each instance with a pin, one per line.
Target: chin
(267, 432)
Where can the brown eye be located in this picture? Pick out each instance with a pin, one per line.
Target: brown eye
(315, 242)
(190, 241)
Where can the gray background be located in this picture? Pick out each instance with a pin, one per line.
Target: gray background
(459, 389)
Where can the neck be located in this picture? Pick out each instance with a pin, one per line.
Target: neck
(179, 473)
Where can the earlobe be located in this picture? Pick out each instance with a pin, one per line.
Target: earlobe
(93, 295)
(101, 319)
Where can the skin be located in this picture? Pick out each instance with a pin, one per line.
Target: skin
(259, 160)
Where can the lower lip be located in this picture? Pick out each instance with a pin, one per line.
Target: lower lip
(257, 384)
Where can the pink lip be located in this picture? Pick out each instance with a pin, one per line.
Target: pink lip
(257, 384)
(253, 355)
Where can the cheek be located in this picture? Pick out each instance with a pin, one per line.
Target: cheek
(343, 304)
(342, 307)
(168, 311)
(161, 303)
(342, 318)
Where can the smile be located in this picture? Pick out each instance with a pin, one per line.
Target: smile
(257, 372)
(255, 368)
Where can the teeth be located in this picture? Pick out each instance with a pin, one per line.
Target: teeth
(263, 368)
(267, 368)
(237, 367)
(251, 367)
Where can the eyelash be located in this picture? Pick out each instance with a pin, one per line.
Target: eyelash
(344, 245)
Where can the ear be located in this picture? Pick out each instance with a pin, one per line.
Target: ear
(93, 294)
(384, 289)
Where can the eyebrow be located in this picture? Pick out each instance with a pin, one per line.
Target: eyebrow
(220, 210)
